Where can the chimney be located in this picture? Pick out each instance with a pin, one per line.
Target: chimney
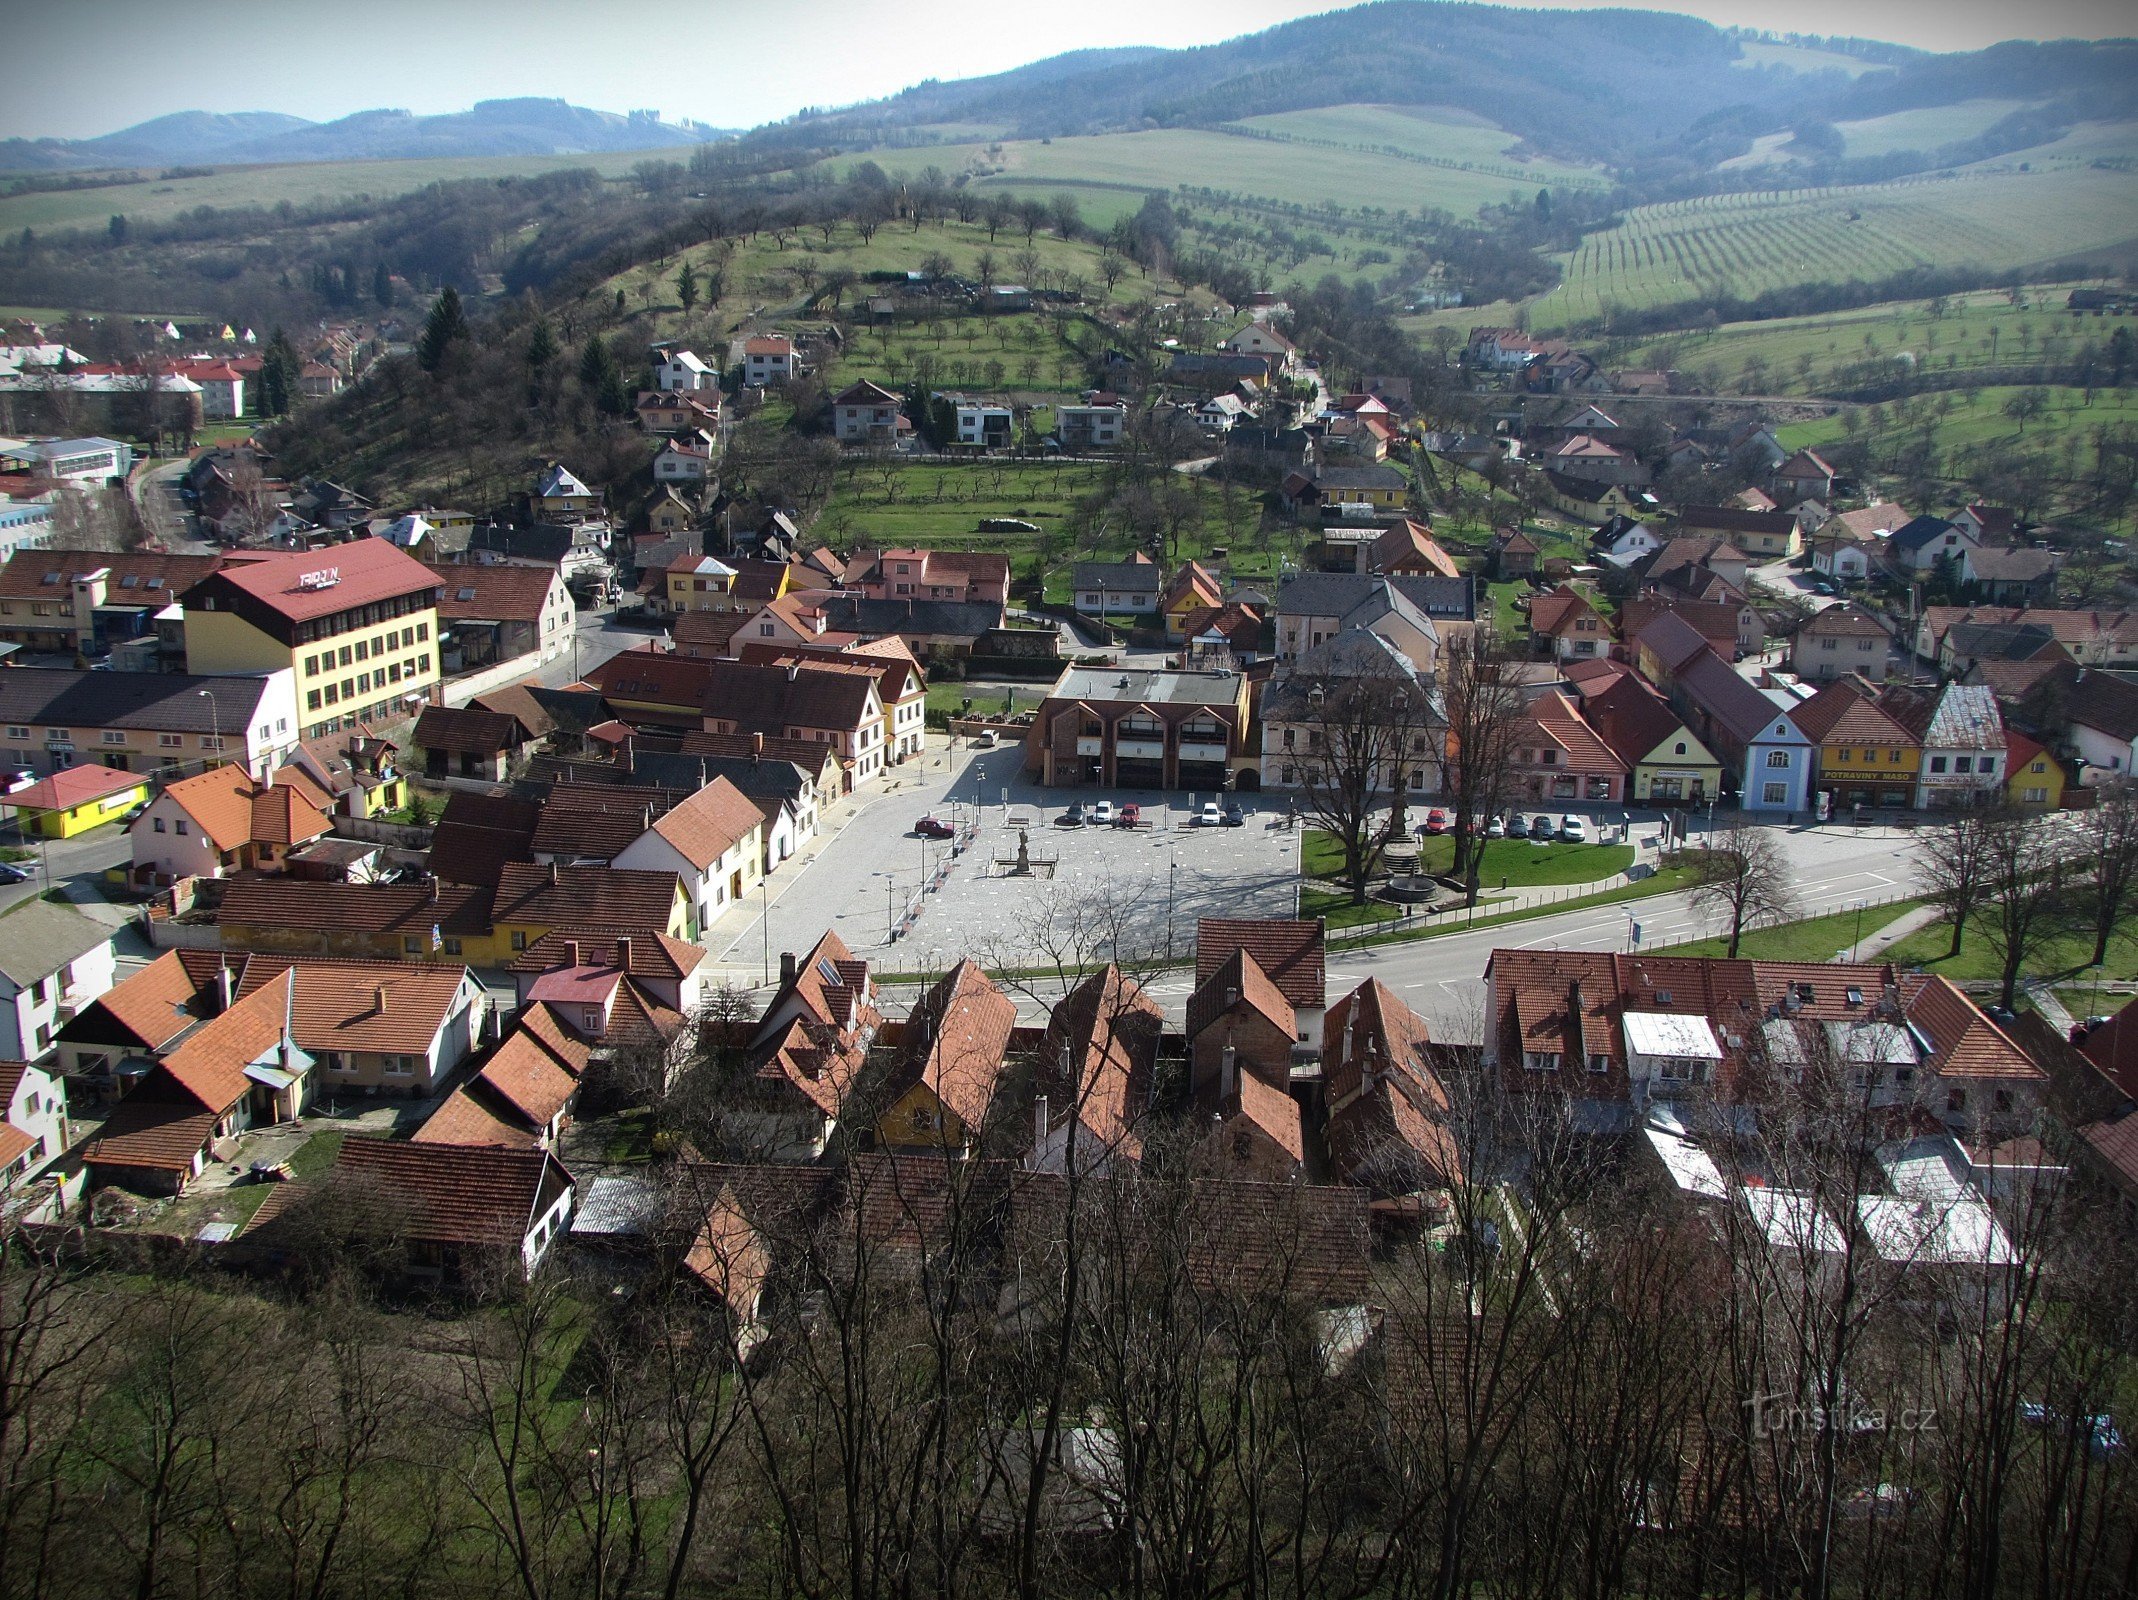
(623, 953)
(1232, 998)
(434, 890)
(222, 986)
(553, 874)
(571, 952)
(1228, 1073)
(786, 966)
(757, 746)
(378, 999)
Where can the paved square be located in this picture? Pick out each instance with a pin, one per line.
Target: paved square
(1111, 891)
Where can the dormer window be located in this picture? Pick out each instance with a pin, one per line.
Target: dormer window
(1855, 995)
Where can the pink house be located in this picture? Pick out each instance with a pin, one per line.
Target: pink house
(1559, 757)
(937, 575)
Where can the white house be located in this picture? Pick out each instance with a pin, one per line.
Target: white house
(686, 458)
(33, 1121)
(53, 961)
(986, 423)
(91, 462)
(767, 358)
(684, 373)
(714, 842)
(1221, 413)
(1090, 427)
(1260, 339)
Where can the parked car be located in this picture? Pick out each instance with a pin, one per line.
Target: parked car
(1101, 815)
(1235, 817)
(933, 828)
(1515, 827)
(1210, 816)
(984, 739)
(1542, 830)
(10, 873)
(1573, 829)
(1129, 816)
(1436, 821)
(1496, 828)
(1073, 817)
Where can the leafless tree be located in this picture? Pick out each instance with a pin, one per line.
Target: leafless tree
(2109, 861)
(2028, 872)
(1366, 725)
(1952, 868)
(1741, 874)
(1484, 709)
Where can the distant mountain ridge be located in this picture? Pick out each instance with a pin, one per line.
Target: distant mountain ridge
(528, 126)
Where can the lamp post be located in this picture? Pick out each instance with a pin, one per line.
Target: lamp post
(215, 729)
(764, 921)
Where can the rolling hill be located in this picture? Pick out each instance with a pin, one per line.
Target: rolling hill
(524, 127)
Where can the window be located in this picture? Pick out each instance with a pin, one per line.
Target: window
(1829, 644)
(1776, 794)
(519, 938)
(2004, 1099)
(401, 1066)
(114, 736)
(452, 946)
(159, 825)
(1893, 758)
(180, 828)
(1599, 1062)
(24, 733)
(1964, 764)
(1845, 754)
(590, 1022)
(1956, 1100)
(1541, 1060)
(311, 700)
(211, 741)
(363, 650)
(347, 655)
(1681, 747)
(411, 945)
(1937, 763)
(1777, 758)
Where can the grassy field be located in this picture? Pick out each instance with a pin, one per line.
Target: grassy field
(1519, 863)
(1977, 421)
(761, 280)
(1024, 353)
(299, 183)
(1745, 243)
(1809, 355)
(1799, 58)
(1924, 128)
(1812, 939)
(1440, 135)
(1407, 174)
(930, 503)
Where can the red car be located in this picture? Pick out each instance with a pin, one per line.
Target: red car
(1436, 821)
(1129, 816)
(933, 828)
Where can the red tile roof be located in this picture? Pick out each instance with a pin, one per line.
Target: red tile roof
(370, 570)
(1290, 951)
(73, 786)
(956, 1040)
(457, 1195)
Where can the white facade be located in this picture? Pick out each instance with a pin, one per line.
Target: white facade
(38, 1109)
(678, 462)
(30, 1014)
(707, 886)
(983, 423)
(772, 361)
(268, 737)
(1090, 427)
(684, 373)
(24, 525)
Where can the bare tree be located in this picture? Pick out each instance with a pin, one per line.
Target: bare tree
(1953, 868)
(1353, 733)
(1741, 873)
(2027, 872)
(2109, 861)
(1484, 708)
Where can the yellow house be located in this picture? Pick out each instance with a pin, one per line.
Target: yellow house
(361, 921)
(2035, 778)
(950, 1064)
(699, 583)
(357, 624)
(77, 799)
(1865, 757)
(1193, 589)
(1377, 486)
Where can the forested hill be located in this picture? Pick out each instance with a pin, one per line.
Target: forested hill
(1624, 87)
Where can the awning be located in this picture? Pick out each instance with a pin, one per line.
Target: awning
(273, 1077)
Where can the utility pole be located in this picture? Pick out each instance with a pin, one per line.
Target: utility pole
(764, 922)
(215, 730)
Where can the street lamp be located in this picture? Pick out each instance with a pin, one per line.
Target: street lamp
(215, 730)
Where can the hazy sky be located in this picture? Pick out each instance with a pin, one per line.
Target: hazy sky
(733, 63)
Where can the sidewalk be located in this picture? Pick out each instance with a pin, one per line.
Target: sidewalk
(1877, 944)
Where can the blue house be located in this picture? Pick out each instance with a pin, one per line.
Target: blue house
(1765, 756)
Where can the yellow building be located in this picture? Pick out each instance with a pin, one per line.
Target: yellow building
(950, 1064)
(77, 799)
(2035, 778)
(1865, 758)
(699, 583)
(357, 625)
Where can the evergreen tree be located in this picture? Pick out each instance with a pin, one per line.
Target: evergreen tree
(447, 322)
(118, 230)
(1544, 205)
(541, 345)
(382, 285)
(595, 366)
(687, 287)
(278, 374)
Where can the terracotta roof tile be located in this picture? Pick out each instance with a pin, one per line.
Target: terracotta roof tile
(1108, 1029)
(956, 1040)
(458, 1195)
(410, 910)
(465, 1117)
(608, 898)
(155, 1005)
(1290, 951)
(370, 570)
(1239, 980)
(492, 593)
(386, 1006)
(465, 730)
(710, 823)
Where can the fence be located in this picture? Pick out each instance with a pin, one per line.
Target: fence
(404, 835)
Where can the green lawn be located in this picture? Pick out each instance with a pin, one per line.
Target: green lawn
(949, 696)
(1334, 907)
(1025, 353)
(1812, 939)
(2064, 957)
(316, 1154)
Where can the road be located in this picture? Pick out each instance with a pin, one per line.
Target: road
(155, 494)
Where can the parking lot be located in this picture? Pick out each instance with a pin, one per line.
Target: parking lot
(911, 903)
